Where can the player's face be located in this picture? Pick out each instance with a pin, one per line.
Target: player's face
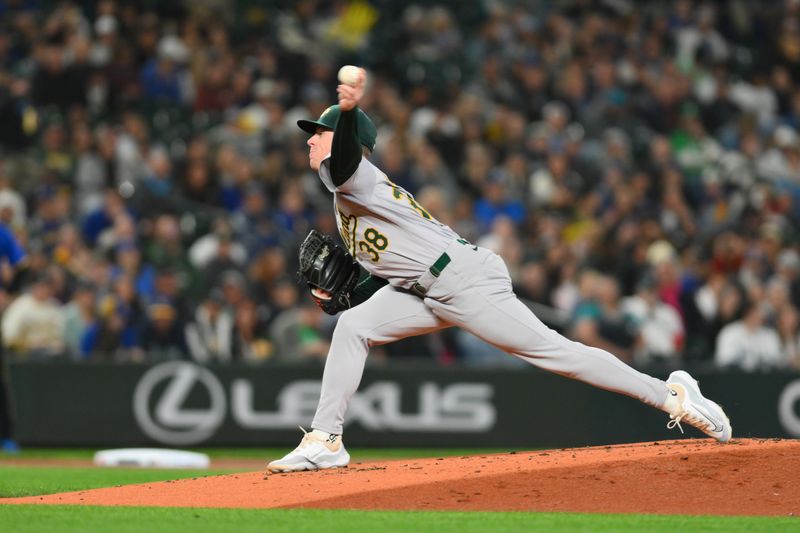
(319, 146)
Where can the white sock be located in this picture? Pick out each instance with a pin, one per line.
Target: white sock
(322, 435)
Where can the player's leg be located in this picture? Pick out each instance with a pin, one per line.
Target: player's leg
(679, 395)
(477, 295)
(489, 309)
(389, 315)
(474, 292)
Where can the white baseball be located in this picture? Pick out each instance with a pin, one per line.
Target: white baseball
(349, 75)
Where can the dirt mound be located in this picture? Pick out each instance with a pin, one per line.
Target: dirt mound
(747, 477)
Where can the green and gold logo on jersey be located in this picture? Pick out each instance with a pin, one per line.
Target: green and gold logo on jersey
(347, 229)
(399, 193)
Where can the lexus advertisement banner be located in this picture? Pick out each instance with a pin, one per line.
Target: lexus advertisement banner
(183, 404)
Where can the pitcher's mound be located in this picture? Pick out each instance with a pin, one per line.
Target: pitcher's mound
(747, 476)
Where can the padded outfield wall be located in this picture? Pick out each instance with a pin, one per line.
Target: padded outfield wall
(182, 404)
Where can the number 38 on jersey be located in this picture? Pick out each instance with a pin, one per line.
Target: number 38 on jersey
(372, 242)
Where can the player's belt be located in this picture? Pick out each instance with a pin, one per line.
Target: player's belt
(435, 270)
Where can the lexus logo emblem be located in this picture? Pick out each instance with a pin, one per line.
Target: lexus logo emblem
(169, 421)
(787, 412)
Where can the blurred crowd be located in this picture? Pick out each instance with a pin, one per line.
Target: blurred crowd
(637, 165)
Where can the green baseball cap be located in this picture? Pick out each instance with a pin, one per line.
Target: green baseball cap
(367, 132)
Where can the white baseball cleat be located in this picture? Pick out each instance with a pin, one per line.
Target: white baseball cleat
(313, 453)
(685, 403)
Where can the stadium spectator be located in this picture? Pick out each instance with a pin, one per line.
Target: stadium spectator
(162, 335)
(217, 250)
(102, 217)
(601, 321)
(79, 316)
(90, 177)
(33, 324)
(163, 79)
(13, 211)
(128, 263)
(234, 289)
(115, 334)
(209, 335)
(659, 325)
(789, 330)
(250, 343)
(297, 334)
(749, 344)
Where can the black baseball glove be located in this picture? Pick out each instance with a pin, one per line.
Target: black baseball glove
(331, 272)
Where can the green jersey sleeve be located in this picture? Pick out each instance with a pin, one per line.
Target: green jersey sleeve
(345, 148)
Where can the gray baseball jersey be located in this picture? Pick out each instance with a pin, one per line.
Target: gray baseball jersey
(383, 226)
(393, 237)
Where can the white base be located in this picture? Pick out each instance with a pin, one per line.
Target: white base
(151, 458)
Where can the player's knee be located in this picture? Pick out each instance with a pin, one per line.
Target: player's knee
(352, 324)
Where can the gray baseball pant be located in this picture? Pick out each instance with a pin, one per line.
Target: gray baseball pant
(473, 292)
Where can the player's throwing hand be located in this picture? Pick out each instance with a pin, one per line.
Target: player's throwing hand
(350, 95)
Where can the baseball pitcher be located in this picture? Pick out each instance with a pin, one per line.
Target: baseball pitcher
(420, 276)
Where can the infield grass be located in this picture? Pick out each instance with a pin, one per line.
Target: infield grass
(34, 518)
(17, 481)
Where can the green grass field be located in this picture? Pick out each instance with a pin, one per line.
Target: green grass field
(31, 518)
(18, 480)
